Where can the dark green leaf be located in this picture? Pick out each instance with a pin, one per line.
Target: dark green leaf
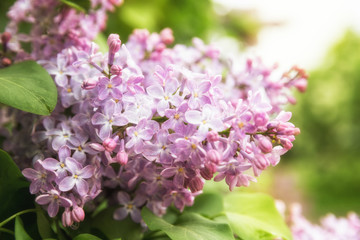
(254, 216)
(28, 87)
(20, 233)
(207, 204)
(125, 229)
(43, 224)
(80, 5)
(14, 191)
(188, 226)
(86, 236)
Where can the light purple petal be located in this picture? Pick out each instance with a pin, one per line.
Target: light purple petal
(156, 91)
(82, 187)
(103, 93)
(179, 180)
(105, 131)
(162, 106)
(61, 80)
(193, 117)
(98, 119)
(65, 202)
(146, 134)
(216, 124)
(109, 109)
(53, 209)
(123, 198)
(43, 199)
(72, 165)
(120, 121)
(169, 172)
(64, 152)
(58, 142)
(135, 215)
(67, 184)
(30, 173)
(120, 213)
(204, 86)
(50, 164)
(87, 171)
(35, 186)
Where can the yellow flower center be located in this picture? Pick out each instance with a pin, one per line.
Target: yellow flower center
(69, 90)
(62, 165)
(166, 98)
(80, 148)
(109, 85)
(110, 121)
(195, 95)
(181, 170)
(76, 176)
(204, 122)
(136, 133)
(130, 206)
(193, 146)
(177, 116)
(241, 124)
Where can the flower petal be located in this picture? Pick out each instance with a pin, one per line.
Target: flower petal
(67, 184)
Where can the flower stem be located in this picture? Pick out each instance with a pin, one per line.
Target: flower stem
(15, 215)
(7, 231)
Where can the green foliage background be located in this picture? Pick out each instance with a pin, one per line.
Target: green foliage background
(327, 152)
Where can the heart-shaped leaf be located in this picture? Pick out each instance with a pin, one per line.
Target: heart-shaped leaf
(254, 216)
(14, 189)
(188, 226)
(28, 87)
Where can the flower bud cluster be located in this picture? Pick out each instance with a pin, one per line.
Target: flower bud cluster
(330, 226)
(54, 26)
(145, 128)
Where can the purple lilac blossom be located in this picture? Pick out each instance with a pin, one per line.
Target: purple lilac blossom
(148, 124)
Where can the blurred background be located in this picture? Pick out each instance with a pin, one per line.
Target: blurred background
(323, 170)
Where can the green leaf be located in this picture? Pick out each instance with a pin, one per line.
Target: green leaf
(80, 5)
(254, 216)
(125, 229)
(14, 189)
(188, 226)
(20, 233)
(43, 224)
(207, 204)
(86, 236)
(28, 87)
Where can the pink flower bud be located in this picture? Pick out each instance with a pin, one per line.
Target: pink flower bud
(261, 162)
(208, 171)
(196, 184)
(78, 214)
(116, 70)
(261, 119)
(301, 84)
(66, 218)
(114, 43)
(212, 136)
(109, 144)
(265, 144)
(5, 37)
(6, 61)
(160, 47)
(122, 158)
(213, 156)
(287, 144)
(89, 84)
(167, 36)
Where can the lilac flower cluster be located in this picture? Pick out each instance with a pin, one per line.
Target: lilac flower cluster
(146, 125)
(331, 227)
(54, 26)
